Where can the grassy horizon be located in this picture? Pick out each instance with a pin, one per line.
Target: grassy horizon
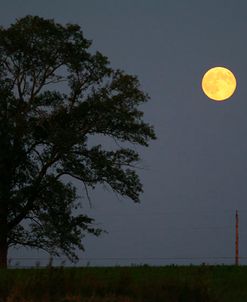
(125, 284)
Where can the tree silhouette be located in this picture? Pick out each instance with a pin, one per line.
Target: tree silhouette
(54, 95)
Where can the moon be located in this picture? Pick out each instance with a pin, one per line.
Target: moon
(219, 83)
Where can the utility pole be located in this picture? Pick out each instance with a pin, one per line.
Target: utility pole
(236, 241)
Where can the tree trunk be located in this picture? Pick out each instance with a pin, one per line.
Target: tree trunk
(3, 238)
(6, 176)
(3, 254)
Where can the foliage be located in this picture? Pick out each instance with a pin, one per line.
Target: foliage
(55, 95)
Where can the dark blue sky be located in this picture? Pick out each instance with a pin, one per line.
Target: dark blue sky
(195, 173)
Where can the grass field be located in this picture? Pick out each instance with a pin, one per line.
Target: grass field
(126, 284)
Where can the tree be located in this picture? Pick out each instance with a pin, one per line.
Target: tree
(54, 95)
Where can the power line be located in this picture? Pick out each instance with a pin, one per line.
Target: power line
(130, 258)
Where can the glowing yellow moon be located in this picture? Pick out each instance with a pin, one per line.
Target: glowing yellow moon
(219, 83)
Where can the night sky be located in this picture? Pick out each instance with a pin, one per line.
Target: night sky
(195, 174)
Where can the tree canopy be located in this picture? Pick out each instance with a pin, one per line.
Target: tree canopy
(54, 95)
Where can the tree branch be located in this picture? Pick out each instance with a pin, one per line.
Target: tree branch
(79, 178)
(34, 194)
(45, 76)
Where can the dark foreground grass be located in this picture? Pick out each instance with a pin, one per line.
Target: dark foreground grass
(125, 284)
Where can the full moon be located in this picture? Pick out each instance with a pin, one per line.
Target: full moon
(219, 83)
